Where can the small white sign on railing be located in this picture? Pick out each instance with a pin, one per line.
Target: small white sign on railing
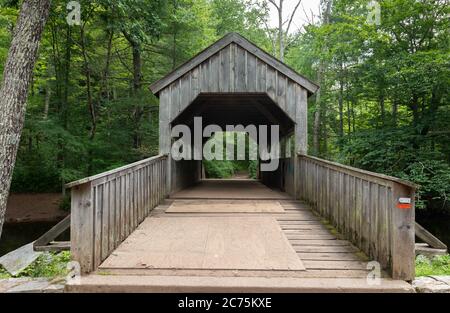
(404, 200)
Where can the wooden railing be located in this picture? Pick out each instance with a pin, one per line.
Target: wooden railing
(106, 208)
(365, 208)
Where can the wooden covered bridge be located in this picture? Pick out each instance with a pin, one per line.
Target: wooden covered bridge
(311, 225)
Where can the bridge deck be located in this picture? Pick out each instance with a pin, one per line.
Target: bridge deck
(185, 249)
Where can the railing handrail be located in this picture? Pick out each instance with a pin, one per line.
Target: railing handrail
(114, 171)
(361, 171)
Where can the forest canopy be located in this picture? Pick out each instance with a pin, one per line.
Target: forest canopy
(383, 104)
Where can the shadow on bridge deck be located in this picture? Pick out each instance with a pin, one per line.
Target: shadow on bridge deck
(239, 189)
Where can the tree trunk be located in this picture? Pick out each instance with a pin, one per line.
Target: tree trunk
(87, 70)
(14, 91)
(394, 112)
(64, 109)
(320, 107)
(67, 61)
(48, 95)
(349, 117)
(414, 106)
(105, 80)
(317, 115)
(137, 67)
(341, 108)
(280, 30)
(174, 50)
(382, 110)
(137, 83)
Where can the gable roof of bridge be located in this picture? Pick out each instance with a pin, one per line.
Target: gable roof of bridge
(159, 85)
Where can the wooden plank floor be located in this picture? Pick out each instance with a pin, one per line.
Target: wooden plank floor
(321, 251)
(318, 247)
(332, 264)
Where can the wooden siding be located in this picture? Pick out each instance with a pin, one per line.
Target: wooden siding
(210, 55)
(233, 70)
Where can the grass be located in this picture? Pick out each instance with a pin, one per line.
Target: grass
(48, 265)
(439, 265)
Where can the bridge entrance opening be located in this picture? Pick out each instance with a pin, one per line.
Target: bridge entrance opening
(245, 139)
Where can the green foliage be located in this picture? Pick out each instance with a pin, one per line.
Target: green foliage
(48, 265)
(253, 169)
(438, 265)
(65, 203)
(4, 273)
(219, 169)
(392, 152)
(228, 167)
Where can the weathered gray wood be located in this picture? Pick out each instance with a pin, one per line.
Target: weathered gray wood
(185, 92)
(43, 242)
(374, 231)
(108, 207)
(384, 226)
(214, 72)
(82, 226)
(363, 208)
(116, 171)
(378, 178)
(241, 70)
(326, 249)
(54, 247)
(174, 100)
(403, 235)
(327, 256)
(365, 226)
(194, 83)
(224, 85)
(301, 120)
(335, 264)
(261, 69)
(271, 82)
(429, 252)
(98, 191)
(105, 222)
(221, 44)
(281, 91)
(251, 72)
(112, 215)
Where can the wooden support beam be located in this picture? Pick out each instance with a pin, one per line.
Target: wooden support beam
(43, 243)
(403, 234)
(429, 238)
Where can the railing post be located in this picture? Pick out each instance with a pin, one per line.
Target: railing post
(82, 227)
(403, 234)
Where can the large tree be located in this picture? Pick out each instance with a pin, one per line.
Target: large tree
(17, 75)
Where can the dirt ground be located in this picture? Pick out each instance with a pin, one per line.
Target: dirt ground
(24, 208)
